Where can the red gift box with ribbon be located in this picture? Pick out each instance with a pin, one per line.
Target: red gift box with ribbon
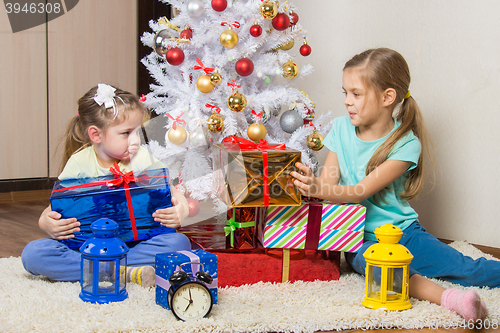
(249, 174)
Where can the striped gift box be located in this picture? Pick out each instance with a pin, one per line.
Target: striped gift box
(322, 226)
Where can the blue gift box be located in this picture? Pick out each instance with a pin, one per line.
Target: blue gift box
(168, 263)
(89, 199)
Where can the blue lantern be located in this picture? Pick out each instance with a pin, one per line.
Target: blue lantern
(103, 265)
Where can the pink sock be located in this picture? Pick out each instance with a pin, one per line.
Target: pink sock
(468, 304)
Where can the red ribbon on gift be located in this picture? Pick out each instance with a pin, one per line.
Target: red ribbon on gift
(125, 179)
(177, 120)
(313, 226)
(207, 70)
(233, 142)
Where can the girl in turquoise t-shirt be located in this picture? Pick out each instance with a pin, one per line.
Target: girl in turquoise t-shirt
(375, 159)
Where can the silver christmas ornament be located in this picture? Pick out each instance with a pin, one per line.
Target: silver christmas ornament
(195, 8)
(313, 164)
(266, 115)
(199, 137)
(159, 41)
(290, 120)
(251, 118)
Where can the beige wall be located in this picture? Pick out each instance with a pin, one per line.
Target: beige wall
(23, 101)
(94, 42)
(452, 48)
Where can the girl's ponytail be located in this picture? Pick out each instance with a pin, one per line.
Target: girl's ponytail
(74, 139)
(411, 118)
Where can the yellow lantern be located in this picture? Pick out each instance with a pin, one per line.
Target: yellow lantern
(392, 261)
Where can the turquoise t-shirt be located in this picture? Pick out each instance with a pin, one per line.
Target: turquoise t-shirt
(354, 154)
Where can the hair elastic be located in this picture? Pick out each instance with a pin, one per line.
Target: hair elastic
(407, 95)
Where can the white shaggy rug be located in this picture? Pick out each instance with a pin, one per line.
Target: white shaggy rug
(33, 304)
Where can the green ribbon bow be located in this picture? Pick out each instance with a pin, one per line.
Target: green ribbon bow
(232, 225)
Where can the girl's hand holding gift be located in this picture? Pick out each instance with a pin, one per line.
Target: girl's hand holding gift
(172, 217)
(305, 181)
(57, 228)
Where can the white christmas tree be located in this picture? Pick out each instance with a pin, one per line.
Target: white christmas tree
(219, 67)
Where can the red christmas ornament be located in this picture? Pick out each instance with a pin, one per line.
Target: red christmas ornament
(219, 5)
(186, 34)
(294, 18)
(255, 30)
(305, 50)
(281, 21)
(194, 207)
(175, 56)
(244, 67)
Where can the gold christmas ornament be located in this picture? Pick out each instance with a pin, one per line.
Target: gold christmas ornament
(268, 9)
(315, 141)
(177, 136)
(237, 102)
(215, 123)
(229, 38)
(204, 84)
(216, 78)
(256, 132)
(288, 46)
(290, 70)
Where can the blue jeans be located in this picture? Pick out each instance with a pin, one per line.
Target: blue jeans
(432, 258)
(53, 259)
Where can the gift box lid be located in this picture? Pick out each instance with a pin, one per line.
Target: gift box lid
(83, 186)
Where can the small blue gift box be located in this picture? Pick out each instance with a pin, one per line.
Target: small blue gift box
(168, 263)
(128, 199)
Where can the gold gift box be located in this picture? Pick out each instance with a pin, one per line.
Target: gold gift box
(239, 179)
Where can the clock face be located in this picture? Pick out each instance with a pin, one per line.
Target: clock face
(191, 301)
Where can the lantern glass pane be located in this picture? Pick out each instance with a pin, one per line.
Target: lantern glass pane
(374, 286)
(123, 273)
(87, 275)
(395, 285)
(107, 277)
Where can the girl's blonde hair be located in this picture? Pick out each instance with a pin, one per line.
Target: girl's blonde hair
(92, 114)
(381, 69)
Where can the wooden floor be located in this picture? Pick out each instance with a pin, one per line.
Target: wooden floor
(19, 225)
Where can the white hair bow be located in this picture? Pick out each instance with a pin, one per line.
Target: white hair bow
(105, 94)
